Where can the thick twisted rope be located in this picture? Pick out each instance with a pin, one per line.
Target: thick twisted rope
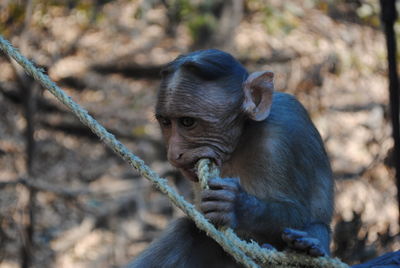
(124, 152)
(224, 240)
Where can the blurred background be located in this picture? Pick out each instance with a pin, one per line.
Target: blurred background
(68, 201)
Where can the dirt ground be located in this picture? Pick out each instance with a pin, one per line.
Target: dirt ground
(92, 210)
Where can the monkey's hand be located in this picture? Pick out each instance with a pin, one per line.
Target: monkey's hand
(303, 242)
(218, 202)
(222, 203)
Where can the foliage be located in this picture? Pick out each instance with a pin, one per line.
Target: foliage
(201, 18)
(280, 20)
(11, 16)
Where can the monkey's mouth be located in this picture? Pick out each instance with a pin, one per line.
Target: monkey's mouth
(190, 173)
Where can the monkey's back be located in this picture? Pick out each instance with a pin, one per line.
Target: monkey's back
(290, 160)
(310, 163)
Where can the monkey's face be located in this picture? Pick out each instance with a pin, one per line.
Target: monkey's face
(198, 120)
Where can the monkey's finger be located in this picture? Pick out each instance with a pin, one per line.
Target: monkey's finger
(219, 195)
(317, 252)
(224, 183)
(309, 245)
(210, 206)
(289, 235)
(220, 219)
(305, 243)
(268, 246)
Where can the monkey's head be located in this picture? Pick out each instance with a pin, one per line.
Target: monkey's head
(204, 100)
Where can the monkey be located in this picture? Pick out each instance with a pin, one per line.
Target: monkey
(276, 183)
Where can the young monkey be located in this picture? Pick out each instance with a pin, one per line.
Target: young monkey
(276, 184)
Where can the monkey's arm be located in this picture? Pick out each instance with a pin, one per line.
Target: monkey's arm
(227, 204)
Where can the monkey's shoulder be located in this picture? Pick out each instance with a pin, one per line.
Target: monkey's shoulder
(286, 107)
(288, 117)
(289, 124)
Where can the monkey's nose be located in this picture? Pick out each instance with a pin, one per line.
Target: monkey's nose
(176, 158)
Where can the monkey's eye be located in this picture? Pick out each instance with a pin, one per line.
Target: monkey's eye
(165, 122)
(187, 122)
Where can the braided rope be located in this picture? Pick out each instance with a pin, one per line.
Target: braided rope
(227, 240)
(124, 152)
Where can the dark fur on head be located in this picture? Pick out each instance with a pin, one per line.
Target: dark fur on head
(210, 64)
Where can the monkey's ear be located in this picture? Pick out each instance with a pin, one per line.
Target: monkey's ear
(258, 89)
